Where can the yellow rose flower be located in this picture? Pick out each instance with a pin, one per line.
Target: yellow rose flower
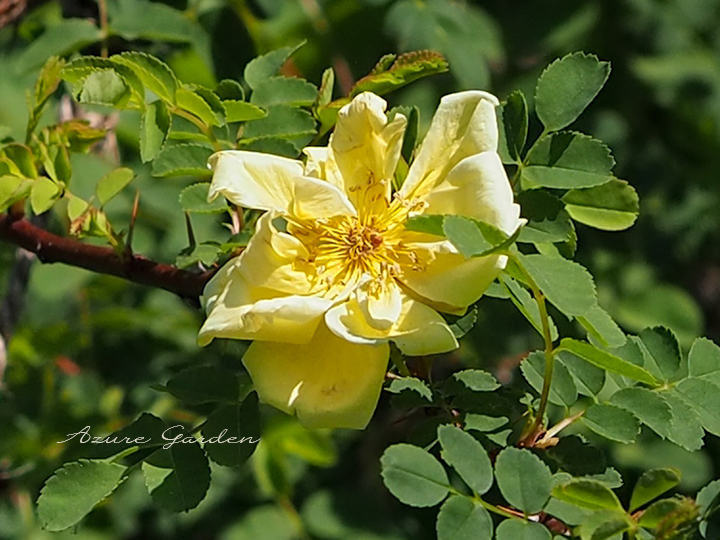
(331, 275)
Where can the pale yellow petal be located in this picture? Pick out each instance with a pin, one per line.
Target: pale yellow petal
(275, 260)
(288, 319)
(446, 277)
(263, 293)
(477, 187)
(464, 124)
(366, 147)
(418, 330)
(267, 182)
(320, 164)
(328, 382)
(380, 302)
(422, 331)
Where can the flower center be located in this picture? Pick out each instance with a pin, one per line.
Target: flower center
(344, 248)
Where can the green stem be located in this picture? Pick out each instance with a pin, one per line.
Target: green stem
(102, 9)
(549, 351)
(205, 129)
(486, 505)
(549, 357)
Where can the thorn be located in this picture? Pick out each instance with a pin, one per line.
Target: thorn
(190, 233)
(131, 228)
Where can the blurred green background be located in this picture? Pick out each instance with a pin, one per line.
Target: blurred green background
(85, 349)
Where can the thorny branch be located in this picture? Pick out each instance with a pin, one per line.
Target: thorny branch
(51, 248)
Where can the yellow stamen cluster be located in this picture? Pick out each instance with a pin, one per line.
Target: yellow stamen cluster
(344, 248)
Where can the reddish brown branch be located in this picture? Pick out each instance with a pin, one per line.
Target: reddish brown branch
(51, 248)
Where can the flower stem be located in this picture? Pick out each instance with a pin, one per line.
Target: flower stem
(549, 357)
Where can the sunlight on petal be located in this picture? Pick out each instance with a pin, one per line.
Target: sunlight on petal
(266, 182)
(464, 124)
(477, 187)
(365, 146)
(327, 382)
(418, 330)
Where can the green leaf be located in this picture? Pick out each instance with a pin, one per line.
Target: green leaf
(613, 206)
(658, 512)
(240, 111)
(465, 236)
(21, 157)
(707, 495)
(524, 480)
(272, 145)
(79, 70)
(514, 529)
(154, 129)
(651, 485)
(178, 477)
(612, 422)
(414, 476)
(202, 384)
(145, 432)
(482, 423)
(155, 74)
(263, 67)
(406, 68)
(232, 432)
(462, 325)
(284, 91)
(69, 35)
(105, 87)
(589, 379)
(515, 123)
(704, 398)
(664, 350)
(602, 327)
(195, 199)
(476, 380)
(607, 361)
(411, 383)
(430, 224)
(206, 253)
(48, 80)
(281, 121)
(576, 456)
(568, 160)
(463, 32)
(566, 88)
(461, 519)
(527, 305)
(327, 85)
(43, 194)
(686, 429)
(13, 189)
(604, 525)
(190, 101)
(590, 494)
(562, 388)
(74, 490)
(547, 219)
(649, 407)
(182, 160)
(113, 183)
(704, 360)
(230, 90)
(566, 284)
(138, 19)
(467, 456)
